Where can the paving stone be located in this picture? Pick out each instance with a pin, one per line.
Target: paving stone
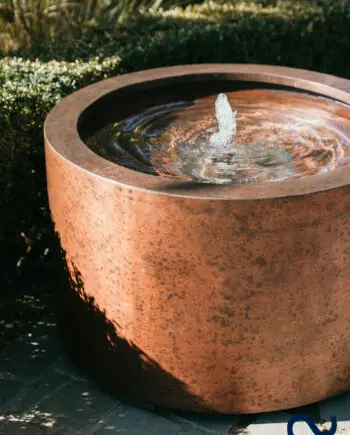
(338, 407)
(22, 424)
(42, 393)
(64, 367)
(9, 388)
(269, 424)
(21, 413)
(31, 394)
(32, 353)
(23, 362)
(24, 427)
(129, 420)
(211, 424)
(75, 407)
(196, 431)
(56, 403)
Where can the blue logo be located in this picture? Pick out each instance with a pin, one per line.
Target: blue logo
(311, 424)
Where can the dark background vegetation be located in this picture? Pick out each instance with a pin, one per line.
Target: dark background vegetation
(50, 48)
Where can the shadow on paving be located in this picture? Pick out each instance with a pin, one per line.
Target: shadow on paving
(96, 345)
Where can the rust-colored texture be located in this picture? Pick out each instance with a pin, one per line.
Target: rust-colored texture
(230, 298)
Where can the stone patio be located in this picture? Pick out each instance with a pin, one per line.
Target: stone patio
(42, 393)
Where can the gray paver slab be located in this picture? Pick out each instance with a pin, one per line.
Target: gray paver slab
(269, 424)
(75, 407)
(217, 424)
(338, 407)
(28, 356)
(63, 366)
(129, 420)
(24, 427)
(194, 431)
(31, 394)
(42, 393)
(56, 404)
(9, 388)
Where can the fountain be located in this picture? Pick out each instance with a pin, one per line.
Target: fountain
(204, 216)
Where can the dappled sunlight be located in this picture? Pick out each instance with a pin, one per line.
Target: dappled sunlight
(37, 417)
(213, 12)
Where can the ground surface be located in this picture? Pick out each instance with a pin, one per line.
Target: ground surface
(42, 393)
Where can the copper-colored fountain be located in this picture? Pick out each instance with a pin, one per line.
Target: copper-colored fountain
(207, 238)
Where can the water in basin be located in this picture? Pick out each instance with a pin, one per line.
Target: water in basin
(243, 136)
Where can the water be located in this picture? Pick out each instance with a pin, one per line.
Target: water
(245, 136)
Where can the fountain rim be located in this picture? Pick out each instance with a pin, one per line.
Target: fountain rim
(63, 138)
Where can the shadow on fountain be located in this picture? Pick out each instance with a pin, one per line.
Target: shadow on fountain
(94, 344)
(187, 186)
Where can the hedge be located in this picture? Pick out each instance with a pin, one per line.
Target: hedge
(299, 34)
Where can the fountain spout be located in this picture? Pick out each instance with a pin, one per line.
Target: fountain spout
(226, 118)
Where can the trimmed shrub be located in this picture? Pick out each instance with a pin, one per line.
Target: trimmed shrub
(29, 89)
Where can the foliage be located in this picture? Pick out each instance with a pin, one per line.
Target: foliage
(26, 22)
(28, 90)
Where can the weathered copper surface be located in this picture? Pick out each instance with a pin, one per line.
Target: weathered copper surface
(230, 298)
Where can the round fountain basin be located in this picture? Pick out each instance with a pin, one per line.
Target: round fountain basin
(186, 293)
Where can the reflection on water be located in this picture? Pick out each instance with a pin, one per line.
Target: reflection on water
(244, 136)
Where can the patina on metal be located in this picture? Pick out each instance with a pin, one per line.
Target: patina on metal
(222, 298)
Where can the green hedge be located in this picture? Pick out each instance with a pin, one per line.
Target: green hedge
(29, 89)
(299, 34)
